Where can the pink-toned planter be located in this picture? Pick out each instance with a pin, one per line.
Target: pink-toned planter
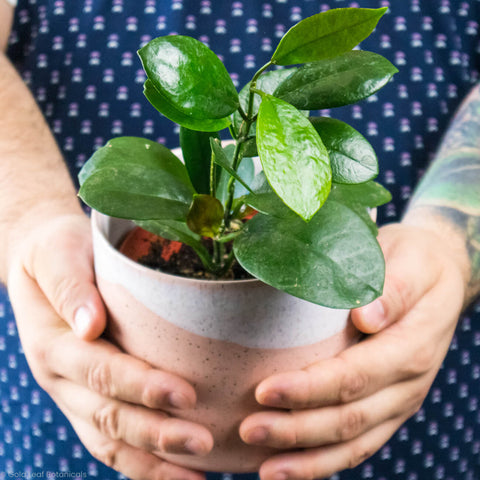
(222, 336)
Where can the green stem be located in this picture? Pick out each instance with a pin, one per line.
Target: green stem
(240, 140)
(227, 265)
(213, 179)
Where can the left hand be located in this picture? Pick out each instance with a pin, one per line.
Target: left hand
(340, 411)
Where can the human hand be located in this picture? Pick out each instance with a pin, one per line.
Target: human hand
(342, 410)
(113, 401)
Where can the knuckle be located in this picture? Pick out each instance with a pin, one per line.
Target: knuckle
(352, 423)
(106, 420)
(99, 379)
(420, 361)
(106, 453)
(352, 385)
(399, 295)
(359, 453)
(65, 289)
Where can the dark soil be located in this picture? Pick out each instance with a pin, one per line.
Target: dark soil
(176, 258)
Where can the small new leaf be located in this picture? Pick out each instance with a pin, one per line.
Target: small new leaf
(205, 216)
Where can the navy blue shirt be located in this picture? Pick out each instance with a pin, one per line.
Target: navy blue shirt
(79, 58)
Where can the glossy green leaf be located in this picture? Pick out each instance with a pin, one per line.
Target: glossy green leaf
(361, 199)
(293, 157)
(368, 194)
(267, 83)
(197, 155)
(189, 77)
(326, 35)
(205, 216)
(352, 158)
(338, 81)
(334, 260)
(135, 178)
(160, 102)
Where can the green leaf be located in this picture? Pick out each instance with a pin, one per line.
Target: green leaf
(352, 158)
(361, 199)
(160, 102)
(197, 155)
(368, 194)
(293, 157)
(135, 178)
(189, 76)
(326, 35)
(221, 159)
(334, 260)
(205, 216)
(267, 83)
(338, 81)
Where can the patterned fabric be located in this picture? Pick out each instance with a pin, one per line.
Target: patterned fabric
(79, 60)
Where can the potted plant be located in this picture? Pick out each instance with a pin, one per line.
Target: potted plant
(284, 252)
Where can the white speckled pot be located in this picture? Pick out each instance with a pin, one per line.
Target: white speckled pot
(222, 336)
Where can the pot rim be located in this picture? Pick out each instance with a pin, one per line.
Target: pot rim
(96, 218)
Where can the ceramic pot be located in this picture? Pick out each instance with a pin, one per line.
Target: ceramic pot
(222, 336)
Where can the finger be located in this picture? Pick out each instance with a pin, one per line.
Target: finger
(62, 264)
(402, 290)
(150, 430)
(386, 358)
(325, 461)
(134, 463)
(329, 425)
(101, 367)
(97, 365)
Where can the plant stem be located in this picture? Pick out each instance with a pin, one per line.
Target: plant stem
(242, 137)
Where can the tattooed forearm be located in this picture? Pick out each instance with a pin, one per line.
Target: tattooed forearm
(451, 186)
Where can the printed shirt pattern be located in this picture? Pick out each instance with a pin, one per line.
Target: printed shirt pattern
(79, 58)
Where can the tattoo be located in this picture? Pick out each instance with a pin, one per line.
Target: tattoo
(451, 186)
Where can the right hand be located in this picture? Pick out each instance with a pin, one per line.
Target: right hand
(113, 401)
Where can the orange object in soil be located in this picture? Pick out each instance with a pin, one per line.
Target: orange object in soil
(138, 241)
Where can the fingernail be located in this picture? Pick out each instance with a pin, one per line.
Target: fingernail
(178, 400)
(374, 315)
(258, 435)
(82, 321)
(195, 446)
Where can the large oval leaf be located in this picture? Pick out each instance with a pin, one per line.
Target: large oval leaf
(352, 158)
(334, 260)
(293, 157)
(338, 81)
(160, 102)
(138, 179)
(189, 77)
(326, 35)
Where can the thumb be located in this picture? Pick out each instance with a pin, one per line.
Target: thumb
(61, 262)
(410, 273)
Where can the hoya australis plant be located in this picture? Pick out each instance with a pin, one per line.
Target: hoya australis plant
(312, 236)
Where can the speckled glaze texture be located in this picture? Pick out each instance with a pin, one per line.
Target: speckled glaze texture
(223, 337)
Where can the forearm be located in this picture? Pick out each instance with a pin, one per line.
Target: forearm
(448, 197)
(34, 182)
